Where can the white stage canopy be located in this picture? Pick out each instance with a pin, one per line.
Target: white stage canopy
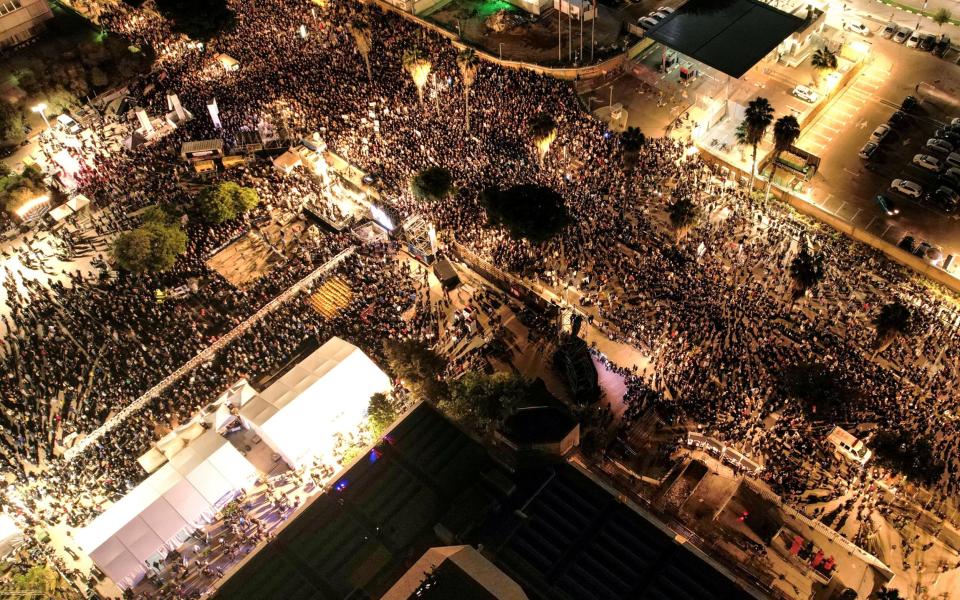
(159, 514)
(10, 535)
(328, 392)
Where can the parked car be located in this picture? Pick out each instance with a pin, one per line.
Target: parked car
(928, 42)
(907, 188)
(887, 205)
(659, 15)
(888, 30)
(857, 27)
(948, 135)
(925, 161)
(909, 103)
(897, 118)
(914, 40)
(882, 131)
(908, 243)
(951, 177)
(68, 125)
(666, 9)
(939, 145)
(902, 34)
(805, 94)
(647, 22)
(943, 44)
(945, 198)
(868, 150)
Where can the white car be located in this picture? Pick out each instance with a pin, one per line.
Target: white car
(955, 121)
(925, 161)
(68, 124)
(648, 22)
(914, 40)
(665, 9)
(879, 133)
(907, 188)
(857, 27)
(659, 15)
(939, 145)
(805, 94)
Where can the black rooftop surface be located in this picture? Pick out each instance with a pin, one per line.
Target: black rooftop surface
(728, 35)
(538, 424)
(577, 542)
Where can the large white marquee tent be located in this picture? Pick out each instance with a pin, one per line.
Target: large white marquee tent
(159, 514)
(326, 393)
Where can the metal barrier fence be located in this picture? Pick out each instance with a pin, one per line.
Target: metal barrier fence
(205, 354)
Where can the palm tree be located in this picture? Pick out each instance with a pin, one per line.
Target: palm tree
(684, 214)
(894, 319)
(806, 271)
(631, 141)
(543, 130)
(756, 120)
(743, 138)
(785, 132)
(823, 60)
(362, 37)
(468, 64)
(888, 594)
(416, 64)
(942, 17)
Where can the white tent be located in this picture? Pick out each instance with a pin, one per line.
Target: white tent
(326, 393)
(159, 514)
(10, 535)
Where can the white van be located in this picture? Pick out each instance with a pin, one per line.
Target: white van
(848, 446)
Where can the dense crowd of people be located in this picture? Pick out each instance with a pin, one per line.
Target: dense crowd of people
(717, 324)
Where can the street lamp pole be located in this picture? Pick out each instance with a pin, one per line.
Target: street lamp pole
(501, 51)
(39, 108)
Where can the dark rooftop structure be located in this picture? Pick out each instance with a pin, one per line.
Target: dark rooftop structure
(538, 425)
(728, 35)
(552, 529)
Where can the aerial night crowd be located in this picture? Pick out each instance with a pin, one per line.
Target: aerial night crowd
(718, 325)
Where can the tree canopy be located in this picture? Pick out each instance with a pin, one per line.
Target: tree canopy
(818, 388)
(483, 401)
(16, 189)
(381, 413)
(533, 212)
(894, 318)
(684, 214)
(198, 19)
(419, 367)
(227, 201)
(432, 183)
(154, 246)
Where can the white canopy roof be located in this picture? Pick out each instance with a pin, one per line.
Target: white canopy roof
(158, 515)
(328, 392)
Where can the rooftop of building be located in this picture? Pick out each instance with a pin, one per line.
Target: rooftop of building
(552, 529)
(729, 35)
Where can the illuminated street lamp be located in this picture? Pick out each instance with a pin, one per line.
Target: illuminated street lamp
(39, 108)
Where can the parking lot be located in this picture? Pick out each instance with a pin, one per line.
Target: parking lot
(846, 185)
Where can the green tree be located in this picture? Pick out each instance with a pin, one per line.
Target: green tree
(806, 271)
(469, 65)
(816, 387)
(483, 401)
(892, 320)
(381, 413)
(756, 121)
(11, 124)
(420, 368)
(363, 38)
(226, 201)
(533, 212)
(684, 215)
(39, 583)
(631, 141)
(432, 183)
(942, 17)
(154, 246)
(785, 132)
